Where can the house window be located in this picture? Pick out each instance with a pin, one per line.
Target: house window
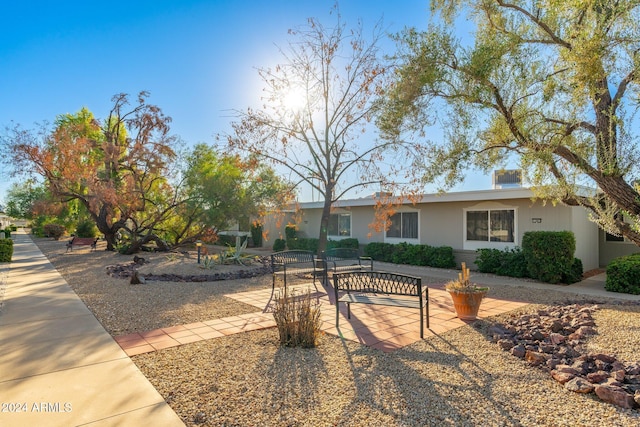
(612, 238)
(340, 225)
(404, 225)
(493, 225)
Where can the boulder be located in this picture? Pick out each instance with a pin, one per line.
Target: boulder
(579, 385)
(615, 395)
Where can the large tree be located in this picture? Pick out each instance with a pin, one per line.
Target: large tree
(553, 84)
(116, 168)
(22, 199)
(220, 190)
(317, 105)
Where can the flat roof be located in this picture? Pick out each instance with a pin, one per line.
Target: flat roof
(458, 196)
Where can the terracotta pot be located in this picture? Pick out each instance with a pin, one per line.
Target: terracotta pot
(467, 304)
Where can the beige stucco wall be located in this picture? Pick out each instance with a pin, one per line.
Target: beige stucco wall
(611, 250)
(443, 224)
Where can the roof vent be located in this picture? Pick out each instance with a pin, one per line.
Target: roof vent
(507, 178)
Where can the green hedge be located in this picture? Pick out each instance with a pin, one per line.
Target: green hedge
(311, 243)
(256, 234)
(549, 254)
(507, 262)
(623, 275)
(303, 244)
(6, 250)
(54, 230)
(279, 245)
(405, 253)
(86, 228)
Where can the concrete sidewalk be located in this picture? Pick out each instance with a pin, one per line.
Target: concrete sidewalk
(58, 366)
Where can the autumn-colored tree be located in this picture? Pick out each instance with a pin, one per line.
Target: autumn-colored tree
(115, 168)
(553, 84)
(317, 106)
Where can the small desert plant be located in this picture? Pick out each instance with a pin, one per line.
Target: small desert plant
(298, 320)
(172, 257)
(463, 284)
(207, 262)
(236, 255)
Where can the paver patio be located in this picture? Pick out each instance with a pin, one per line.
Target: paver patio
(381, 327)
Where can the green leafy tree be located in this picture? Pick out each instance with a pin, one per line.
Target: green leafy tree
(317, 106)
(22, 199)
(552, 84)
(221, 189)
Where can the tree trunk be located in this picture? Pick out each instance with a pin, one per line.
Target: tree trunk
(324, 222)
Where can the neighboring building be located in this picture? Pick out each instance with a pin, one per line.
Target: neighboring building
(466, 221)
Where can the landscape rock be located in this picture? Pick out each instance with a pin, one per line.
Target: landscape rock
(579, 385)
(553, 339)
(615, 395)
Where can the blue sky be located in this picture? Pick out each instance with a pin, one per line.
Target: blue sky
(196, 58)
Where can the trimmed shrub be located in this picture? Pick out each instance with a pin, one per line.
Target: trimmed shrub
(405, 253)
(303, 244)
(623, 275)
(442, 257)
(7, 232)
(507, 262)
(489, 260)
(6, 250)
(86, 228)
(279, 245)
(291, 231)
(575, 274)
(379, 251)
(549, 254)
(351, 242)
(54, 230)
(256, 234)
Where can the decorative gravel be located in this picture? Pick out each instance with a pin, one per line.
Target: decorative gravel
(459, 378)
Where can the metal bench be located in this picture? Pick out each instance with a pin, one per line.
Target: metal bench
(82, 241)
(339, 260)
(294, 262)
(382, 288)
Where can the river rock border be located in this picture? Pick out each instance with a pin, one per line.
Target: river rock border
(553, 339)
(127, 271)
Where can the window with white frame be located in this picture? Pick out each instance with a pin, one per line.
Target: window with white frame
(404, 225)
(339, 225)
(491, 225)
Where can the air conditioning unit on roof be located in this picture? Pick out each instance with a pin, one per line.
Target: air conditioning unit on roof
(507, 178)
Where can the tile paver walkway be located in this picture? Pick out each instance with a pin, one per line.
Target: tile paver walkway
(381, 327)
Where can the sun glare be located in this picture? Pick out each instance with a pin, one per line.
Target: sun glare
(294, 100)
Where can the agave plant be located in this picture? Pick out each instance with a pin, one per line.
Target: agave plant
(235, 255)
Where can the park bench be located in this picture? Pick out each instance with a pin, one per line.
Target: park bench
(82, 241)
(382, 288)
(338, 260)
(294, 262)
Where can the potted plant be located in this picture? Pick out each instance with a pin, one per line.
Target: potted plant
(466, 296)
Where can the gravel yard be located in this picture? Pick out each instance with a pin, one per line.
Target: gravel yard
(459, 378)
